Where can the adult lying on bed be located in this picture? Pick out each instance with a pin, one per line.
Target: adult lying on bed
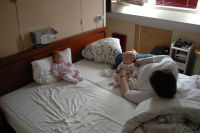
(137, 56)
(156, 75)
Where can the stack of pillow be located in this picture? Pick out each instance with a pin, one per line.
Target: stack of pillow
(104, 50)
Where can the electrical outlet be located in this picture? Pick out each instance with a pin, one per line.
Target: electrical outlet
(22, 37)
(99, 18)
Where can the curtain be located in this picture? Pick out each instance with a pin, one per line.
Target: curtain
(108, 5)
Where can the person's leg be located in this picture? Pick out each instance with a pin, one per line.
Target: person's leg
(76, 72)
(77, 75)
(124, 86)
(70, 78)
(118, 60)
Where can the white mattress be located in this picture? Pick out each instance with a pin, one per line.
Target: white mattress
(62, 107)
(94, 73)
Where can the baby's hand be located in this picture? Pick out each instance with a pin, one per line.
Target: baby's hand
(133, 51)
(118, 70)
(60, 76)
(134, 75)
(69, 64)
(123, 72)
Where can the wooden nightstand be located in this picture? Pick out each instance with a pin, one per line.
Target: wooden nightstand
(2, 124)
(4, 127)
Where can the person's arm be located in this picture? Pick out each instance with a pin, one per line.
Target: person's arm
(158, 58)
(154, 59)
(137, 96)
(119, 68)
(134, 51)
(143, 60)
(165, 62)
(124, 85)
(68, 64)
(134, 96)
(54, 71)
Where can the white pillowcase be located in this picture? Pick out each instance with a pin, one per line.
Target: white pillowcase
(104, 50)
(42, 68)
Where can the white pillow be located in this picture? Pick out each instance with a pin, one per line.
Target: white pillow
(42, 68)
(104, 50)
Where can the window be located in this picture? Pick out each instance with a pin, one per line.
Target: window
(178, 3)
(192, 4)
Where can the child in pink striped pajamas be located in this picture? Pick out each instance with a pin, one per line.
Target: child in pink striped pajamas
(64, 70)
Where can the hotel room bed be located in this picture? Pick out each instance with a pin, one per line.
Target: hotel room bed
(61, 106)
(89, 106)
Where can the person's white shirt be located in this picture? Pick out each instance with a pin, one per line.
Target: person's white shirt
(144, 90)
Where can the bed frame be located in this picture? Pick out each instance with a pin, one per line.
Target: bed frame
(16, 70)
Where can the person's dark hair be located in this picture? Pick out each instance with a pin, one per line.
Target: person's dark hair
(164, 83)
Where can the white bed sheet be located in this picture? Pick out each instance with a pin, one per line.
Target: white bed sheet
(62, 107)
(94, 72)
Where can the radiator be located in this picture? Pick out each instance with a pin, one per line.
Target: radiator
(196, 69)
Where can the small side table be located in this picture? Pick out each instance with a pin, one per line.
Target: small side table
(2, 125)
(183, 57)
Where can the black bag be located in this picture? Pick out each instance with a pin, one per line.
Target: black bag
(160, 50)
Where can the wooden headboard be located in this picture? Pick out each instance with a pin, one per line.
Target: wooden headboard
(16, 70)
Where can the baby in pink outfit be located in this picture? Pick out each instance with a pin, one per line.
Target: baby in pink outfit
(64, 70)
(128, 65)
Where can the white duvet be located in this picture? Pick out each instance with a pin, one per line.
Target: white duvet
(178, 115)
